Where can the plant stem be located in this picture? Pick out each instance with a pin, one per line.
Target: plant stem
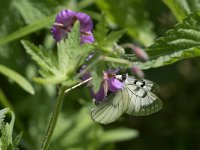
(53, 119)
(117, 60)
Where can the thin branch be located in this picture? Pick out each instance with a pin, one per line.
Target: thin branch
(79, 84)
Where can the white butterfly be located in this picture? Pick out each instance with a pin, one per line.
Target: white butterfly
(138, 97)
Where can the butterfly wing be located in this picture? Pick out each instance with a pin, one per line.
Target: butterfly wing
(142, 99)
(112, 107)
(149, 85)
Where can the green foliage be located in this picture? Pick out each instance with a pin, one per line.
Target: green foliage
(130, 15)
(70, 55)
(37, 14)
(103, 37)
(21, 81)
(119, 134)
(179, 43)
(32, 10)
(45, 59)
(96, 80)
(70, 135)
(33, 27)
(6, 130)
(182, 8)
(140, 21)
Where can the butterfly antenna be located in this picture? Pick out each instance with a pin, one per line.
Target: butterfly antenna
(79, 84)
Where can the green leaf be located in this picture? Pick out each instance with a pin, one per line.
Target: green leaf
(119, 134)
(17, 140)
(44, 58)
(4, 9)
(113, 37)
(37, 25)
(96, 81)
(68, 48)
(74, 130)
(183, 41)
(101, 29)
(2, 115)
(102, 36)
(21, 81)
(130, 15)
(71, 54)
(6, 131)
(182, 8)
(33, 10)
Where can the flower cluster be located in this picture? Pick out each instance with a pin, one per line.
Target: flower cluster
(63, 24)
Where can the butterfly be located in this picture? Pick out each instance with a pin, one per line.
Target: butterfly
(137, 97)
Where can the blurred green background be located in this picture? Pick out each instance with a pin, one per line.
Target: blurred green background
(176, 126)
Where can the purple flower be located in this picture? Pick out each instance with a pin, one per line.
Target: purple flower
(100, 95)
(108, 84)
(65, 21)
(114, 84)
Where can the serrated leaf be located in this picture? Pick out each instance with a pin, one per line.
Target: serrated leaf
(68, 48)
(44, 58)
(20, 80)
(119, 134)
(71, 53)
(183, 41)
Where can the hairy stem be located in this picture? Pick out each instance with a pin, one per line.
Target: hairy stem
(53, 119)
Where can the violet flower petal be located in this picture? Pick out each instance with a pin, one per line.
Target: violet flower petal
(85, 22)
(65, 21)
(65, 17)
(89, 38)
(114, 84)
(58, 33)
(100, 95)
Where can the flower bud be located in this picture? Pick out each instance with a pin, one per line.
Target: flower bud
(138, 72)
(141, 54)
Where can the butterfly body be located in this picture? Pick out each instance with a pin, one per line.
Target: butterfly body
(137, 97)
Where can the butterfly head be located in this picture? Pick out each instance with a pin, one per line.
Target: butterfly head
(122, 77)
